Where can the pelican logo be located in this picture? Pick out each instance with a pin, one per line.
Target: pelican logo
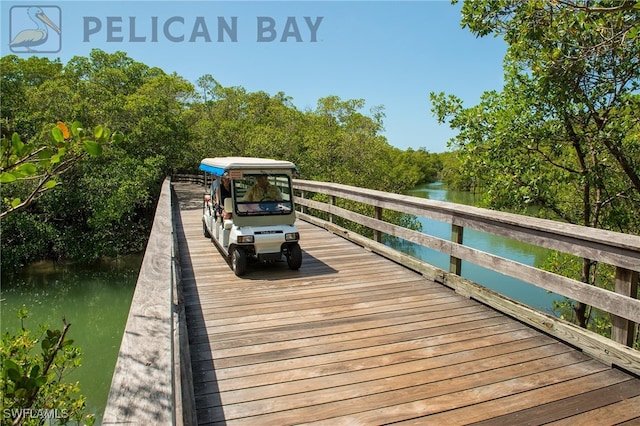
(35, 29)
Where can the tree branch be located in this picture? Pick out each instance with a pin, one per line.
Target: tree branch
(47, 366)
(23, 160)
(550, 161)
(624, 6)
(39, 190)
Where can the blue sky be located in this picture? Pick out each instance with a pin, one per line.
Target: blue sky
(391, 54)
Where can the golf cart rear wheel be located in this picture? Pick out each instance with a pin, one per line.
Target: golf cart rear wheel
(294, 256)
(239, 261)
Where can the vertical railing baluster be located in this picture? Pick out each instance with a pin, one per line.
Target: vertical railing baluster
(333, 203)
(455, 264)
(377, 235)
(626, 283)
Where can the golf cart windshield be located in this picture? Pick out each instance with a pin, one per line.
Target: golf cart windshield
(262, 195)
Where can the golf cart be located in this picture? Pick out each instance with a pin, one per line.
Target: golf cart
(256, 219)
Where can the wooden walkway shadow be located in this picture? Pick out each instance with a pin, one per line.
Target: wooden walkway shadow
(352, 338)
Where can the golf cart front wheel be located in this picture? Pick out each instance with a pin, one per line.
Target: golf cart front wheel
(239, 261)
(294, 256)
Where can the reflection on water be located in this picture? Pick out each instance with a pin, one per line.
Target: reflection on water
(94, 299)
(503, 247)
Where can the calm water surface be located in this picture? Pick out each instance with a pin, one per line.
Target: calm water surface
(504, 247)
(94, 299)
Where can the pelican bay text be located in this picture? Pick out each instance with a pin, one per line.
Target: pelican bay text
(177, 29)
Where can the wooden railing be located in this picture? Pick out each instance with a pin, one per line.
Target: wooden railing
(197, 179)
(619, 250)
(152, 381)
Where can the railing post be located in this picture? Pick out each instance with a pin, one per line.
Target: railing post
(377, 235)
(626, 283)
(333, 203)
(303, 209)
(455, 264)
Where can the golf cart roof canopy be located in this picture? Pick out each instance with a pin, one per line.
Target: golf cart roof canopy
(219, 165)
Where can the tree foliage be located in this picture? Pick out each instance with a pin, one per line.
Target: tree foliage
(37, 167)
(566, 120)
(33, 369)
(103, 205)
(562, 135)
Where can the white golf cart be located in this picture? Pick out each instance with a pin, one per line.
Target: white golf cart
(256, 220)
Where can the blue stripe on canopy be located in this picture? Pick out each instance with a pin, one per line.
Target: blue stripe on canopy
(218, 171)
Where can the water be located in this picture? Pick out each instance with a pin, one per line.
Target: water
(94, 299)
(503, 247)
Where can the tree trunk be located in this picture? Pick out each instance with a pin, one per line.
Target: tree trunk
(580, 308)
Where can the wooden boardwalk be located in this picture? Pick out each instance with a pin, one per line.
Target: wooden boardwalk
(352, 338)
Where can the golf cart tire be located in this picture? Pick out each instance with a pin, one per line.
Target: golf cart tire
(294, 257)
(239, 261)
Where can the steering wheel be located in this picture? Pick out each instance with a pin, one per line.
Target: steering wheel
(266, 205)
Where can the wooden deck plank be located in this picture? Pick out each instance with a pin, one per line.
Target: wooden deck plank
(351, 338)
(332, 324)
(548, 407)
(374, 336)
(409, 361)
(378, 297)
(387, 372)
(627, 410)
(330, 356)
(465, 407)
(394, 399)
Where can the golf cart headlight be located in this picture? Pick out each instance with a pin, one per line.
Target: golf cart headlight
(292, 236)
(245, 238)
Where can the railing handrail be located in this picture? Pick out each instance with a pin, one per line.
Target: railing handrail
(609, 247)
